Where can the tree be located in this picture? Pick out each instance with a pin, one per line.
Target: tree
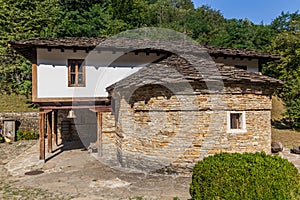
(131, 12)
(287, 44)
(238, 34)
(93, 21)
(183, 4)
(21, 20)
(79, 5)
(286, 22)
(206, 25)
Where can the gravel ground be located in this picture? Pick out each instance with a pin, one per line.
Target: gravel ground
(9, 151)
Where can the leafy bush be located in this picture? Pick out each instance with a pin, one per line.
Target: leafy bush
(245, 176)
(27, 135)
(1, 139)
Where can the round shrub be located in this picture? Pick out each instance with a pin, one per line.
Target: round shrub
(245, 176)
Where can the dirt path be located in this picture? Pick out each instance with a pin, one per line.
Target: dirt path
(75, 174)
(8, 189)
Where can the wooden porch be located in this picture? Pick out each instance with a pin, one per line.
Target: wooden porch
(48, 126)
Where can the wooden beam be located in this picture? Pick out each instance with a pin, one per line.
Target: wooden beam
(101, 109)
(45, 110)
(75, 99)
(42, 135)
(99, 133)
(49, 131)
(54, 127)
(34, 74)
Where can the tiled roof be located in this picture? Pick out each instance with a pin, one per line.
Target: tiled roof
(175, 69)
(90, 43)
(239, 52)
(57, 42)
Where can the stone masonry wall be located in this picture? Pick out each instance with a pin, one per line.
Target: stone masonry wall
(159, 131)
(108, 127)
(24, 120)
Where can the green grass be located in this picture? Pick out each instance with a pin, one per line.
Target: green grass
(16, 103)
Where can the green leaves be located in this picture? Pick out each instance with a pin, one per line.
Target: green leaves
(20, 20)
(287, 44)
(27, 135)
(286, 22)
(131, 12)
(245, 176)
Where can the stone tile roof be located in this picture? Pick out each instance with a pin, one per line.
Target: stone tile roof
(220, 51)
(175, 69)
(57, 42)
(23, 46)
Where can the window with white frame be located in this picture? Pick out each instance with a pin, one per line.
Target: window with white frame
(236, 121)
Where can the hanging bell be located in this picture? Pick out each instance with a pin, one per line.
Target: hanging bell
(71, 114)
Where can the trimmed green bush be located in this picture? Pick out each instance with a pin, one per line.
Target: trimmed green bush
(245, 176)
(27, 135)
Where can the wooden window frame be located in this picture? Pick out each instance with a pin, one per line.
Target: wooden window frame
(79, 63)
(236, 122)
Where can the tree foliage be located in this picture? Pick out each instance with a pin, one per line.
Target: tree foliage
(286, 22)
(21, 20)
(131, 12)
(287, 44)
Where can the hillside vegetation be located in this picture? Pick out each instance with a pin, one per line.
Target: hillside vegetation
(94, 18)
(16, 103)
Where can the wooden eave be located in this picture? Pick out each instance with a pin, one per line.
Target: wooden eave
(96, 108)
(262, 59)
(74, 101)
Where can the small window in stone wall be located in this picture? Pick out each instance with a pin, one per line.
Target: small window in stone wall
(236, 121)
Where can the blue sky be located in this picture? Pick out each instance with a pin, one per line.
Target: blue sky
(254, 10)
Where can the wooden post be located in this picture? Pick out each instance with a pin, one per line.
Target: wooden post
(42, 136)
(34, 74)
(49, 131)
(99, 133)
(54, 126)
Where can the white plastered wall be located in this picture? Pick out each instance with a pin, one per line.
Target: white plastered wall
(252, 65)
(52, 72)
